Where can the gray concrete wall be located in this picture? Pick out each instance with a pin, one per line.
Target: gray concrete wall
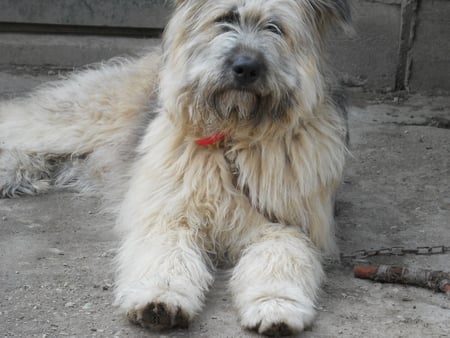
(430, 53)
(370, 55)
(114, 13)
(67, 51)
(398, 44)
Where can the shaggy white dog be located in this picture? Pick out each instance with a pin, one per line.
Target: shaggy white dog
(240, 163)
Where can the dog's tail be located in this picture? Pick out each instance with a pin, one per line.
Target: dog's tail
(74, 132)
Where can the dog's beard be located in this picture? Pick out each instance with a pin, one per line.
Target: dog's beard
(215, 103)
(235, 104)
(241, 104)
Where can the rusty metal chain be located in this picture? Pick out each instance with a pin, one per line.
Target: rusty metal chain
(397, 251)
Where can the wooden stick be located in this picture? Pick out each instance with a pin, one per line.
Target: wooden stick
(435, 280)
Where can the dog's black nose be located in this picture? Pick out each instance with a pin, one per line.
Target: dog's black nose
(246, 70)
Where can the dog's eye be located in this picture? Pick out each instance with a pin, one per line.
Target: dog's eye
(274, 28)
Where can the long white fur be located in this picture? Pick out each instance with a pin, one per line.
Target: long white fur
(181, 212)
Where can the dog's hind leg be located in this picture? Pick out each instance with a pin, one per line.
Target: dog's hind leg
(44, 137)
(23, 174)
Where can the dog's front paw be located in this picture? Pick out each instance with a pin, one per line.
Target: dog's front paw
(277, 317)
(159, 316)
(160, 304)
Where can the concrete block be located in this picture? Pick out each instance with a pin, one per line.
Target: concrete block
(372, 54)
(431, 50)
(67, 51)
(112, 13)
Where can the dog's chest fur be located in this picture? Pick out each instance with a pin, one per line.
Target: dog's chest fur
(226, 186)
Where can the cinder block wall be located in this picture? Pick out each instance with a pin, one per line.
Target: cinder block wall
(398, 44)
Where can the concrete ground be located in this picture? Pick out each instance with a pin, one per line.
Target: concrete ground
(56, 250)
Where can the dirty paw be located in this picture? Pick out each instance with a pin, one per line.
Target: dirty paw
(159, 316)
(276, 330)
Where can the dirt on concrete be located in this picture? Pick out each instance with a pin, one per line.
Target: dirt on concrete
(57, 250)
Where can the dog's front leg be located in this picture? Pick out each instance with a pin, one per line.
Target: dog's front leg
(163, 277)
(275, 282)
(164, 270)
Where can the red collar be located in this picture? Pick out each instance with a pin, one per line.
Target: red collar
(203, 142)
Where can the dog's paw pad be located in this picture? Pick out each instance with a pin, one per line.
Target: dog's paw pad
(277, 330)
(159, 316)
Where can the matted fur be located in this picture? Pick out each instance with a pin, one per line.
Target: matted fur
(183, 209)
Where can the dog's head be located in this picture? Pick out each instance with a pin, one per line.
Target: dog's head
(234, 60)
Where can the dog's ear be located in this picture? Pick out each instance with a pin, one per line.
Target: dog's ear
(331, 13)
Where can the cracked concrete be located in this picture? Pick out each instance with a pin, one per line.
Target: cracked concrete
(56, 250)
